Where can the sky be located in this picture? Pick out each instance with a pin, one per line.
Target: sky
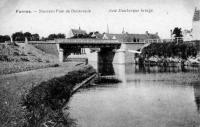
(163, 15)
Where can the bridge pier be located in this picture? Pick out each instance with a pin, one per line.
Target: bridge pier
(112, 55)
(120, 55)
(105, 55)
(60, 55)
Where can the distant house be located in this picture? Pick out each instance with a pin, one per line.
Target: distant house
(126, 37)
(77, 32)
(187, 35)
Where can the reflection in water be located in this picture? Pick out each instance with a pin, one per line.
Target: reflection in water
(197, 96)
(147, 97)
(120, 72)
(160, 69)
(106, 69)
(112, 71)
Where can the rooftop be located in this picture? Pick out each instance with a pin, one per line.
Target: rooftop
(78, 32)
(132, 37)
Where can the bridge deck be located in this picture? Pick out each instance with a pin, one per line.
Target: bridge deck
(77, 41)
(87, 41)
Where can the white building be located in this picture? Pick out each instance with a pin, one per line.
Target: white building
(187, 35)
(196, 25)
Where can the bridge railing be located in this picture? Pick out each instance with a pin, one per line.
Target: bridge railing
(79, 41)
(87, 41)
(153, 41)
(158, 40)
(178, 39)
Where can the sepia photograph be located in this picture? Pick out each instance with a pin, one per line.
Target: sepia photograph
(99, 63)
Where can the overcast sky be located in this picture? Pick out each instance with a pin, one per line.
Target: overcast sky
(166, 15)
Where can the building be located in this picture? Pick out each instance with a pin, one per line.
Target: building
(187, 35)
(194, 33)
(126, 37)
(196, 25)
(76, 32)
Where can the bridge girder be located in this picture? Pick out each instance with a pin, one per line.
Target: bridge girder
(66, 46)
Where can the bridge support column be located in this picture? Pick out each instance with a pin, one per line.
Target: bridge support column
(60, 53)
(111, 55)
(120, 55)
(105, 55)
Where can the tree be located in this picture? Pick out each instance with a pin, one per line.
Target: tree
(60, 35)
(44, 38)
(35, 37)
(177, 34)
(18, 36)
(28, 36)
(55, 36)
(52, 37)
(181, 50)
(4, 38)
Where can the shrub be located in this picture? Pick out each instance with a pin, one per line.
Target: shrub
(171, 49)
(45, 102)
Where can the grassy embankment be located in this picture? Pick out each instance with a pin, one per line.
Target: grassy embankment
(23, 57)
(42, 104)
(14, 67)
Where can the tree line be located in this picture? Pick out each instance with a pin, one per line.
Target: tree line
(176, 48)
(20, 36)
(170, 49)
(4, 38)
(89, 35)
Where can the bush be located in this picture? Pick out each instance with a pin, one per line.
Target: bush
(45, 102)
(170, 49)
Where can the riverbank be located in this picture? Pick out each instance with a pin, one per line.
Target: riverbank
(19, 57)
(39, 91)
(15, 67)
(170, 54)
(169, 61)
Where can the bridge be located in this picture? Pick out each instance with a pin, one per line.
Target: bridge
(111, 51)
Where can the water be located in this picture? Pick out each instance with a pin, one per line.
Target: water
(146, 97)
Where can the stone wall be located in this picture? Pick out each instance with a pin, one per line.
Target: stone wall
(48, 48)
(134, 46)
(130, 57)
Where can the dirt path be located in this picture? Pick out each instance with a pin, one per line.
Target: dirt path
(17, 82)
(13, 86)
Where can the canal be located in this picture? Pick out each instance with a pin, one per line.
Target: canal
(145, 97)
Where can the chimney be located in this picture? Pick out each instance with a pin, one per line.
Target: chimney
(107, 29)
(147, 33)
(123, 31)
